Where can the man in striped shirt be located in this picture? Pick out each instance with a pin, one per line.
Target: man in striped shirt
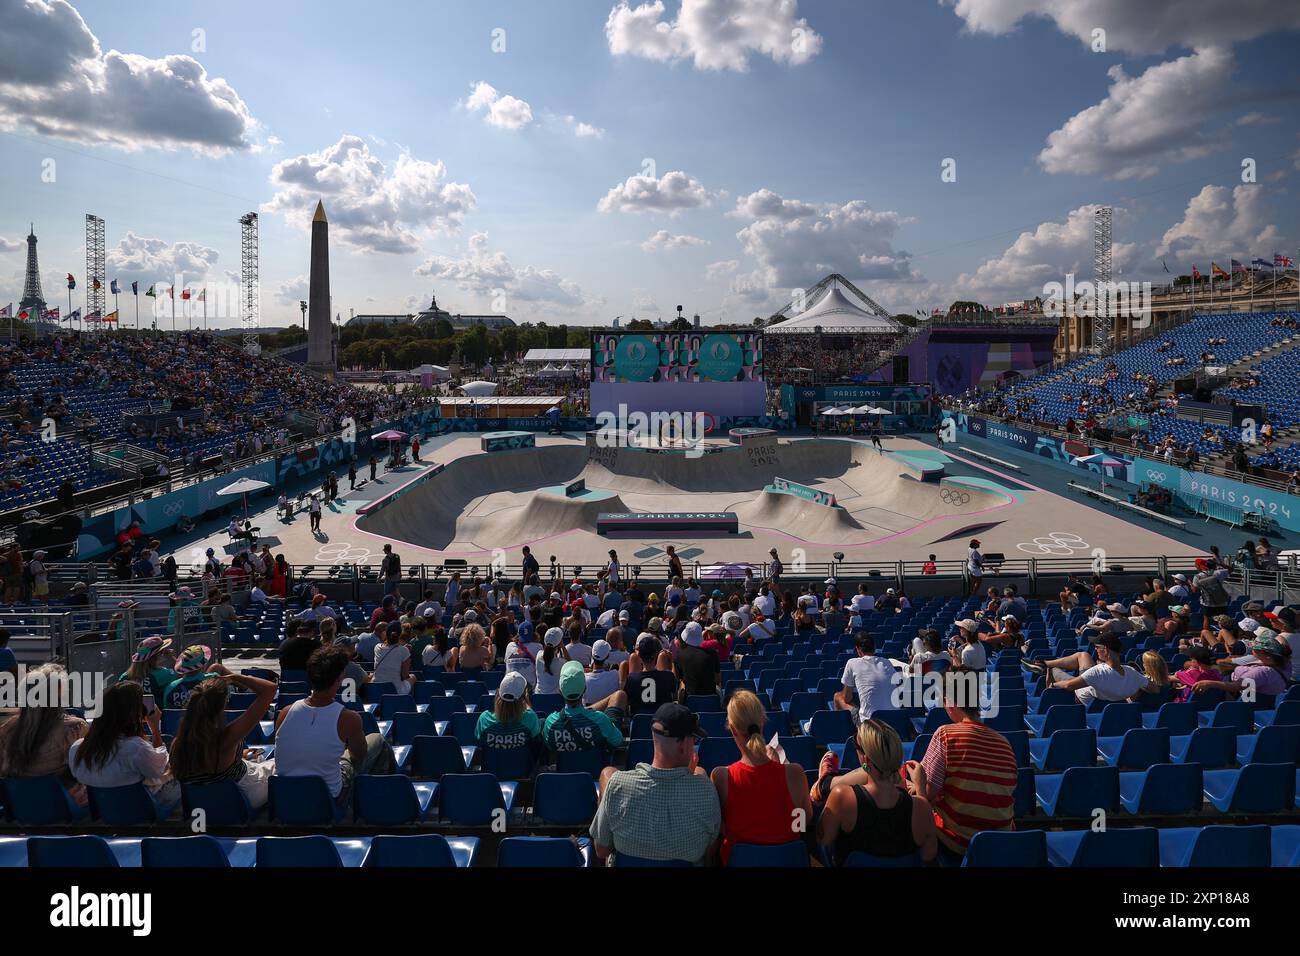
(968, 774)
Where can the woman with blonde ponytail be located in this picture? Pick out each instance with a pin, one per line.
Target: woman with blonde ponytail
(869, 810)
(764, 801)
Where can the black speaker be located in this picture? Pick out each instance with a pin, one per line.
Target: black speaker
(902, 371)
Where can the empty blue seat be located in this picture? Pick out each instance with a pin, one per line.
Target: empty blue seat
(1115, 718)
(432, 756)
(314, 852)
(40, 801)
(1211, 747)
(1114, 847)
(826, 727)
(393, 800)
(1163, 788)
(564, 799)
(1025, 797)
(474, 799)
(407, 725)
(1058, 717)
(1286, 712)
(1065, 748)
(717, 752)
(1279, 743)
(188, 851)
(858, 859)
(1179, 718)
(1078, 791)
(540, 852)
(1137, 749)
(1230, 713)
(71, 852)
(1216, 845)
(421, 851)
(1255, 788)
(784, 855)
(1007, 848)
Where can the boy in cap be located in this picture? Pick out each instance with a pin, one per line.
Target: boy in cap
(577, 728)
(663, 810)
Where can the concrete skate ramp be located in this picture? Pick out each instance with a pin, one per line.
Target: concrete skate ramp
(483, 501)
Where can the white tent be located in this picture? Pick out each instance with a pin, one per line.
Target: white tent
(834, 312)
(479, 389)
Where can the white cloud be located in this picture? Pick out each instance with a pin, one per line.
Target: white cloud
(1043, 255)
(713, 34)
(797, 243)
(292, 291)
(663, 239)
(11, 245)
(722, 267)
(369, 206)
(488, 274)
(1221, 223)
(157, 260)
(56, 81)
(1139, 26)
(500, 109)
(1159, 116)
(671, 192)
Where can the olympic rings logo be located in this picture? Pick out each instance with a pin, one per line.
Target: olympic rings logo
(1059, 544)
(341, 553)
(1155, 475)
(954, 497)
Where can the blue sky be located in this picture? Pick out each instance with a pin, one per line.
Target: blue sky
(598, 159)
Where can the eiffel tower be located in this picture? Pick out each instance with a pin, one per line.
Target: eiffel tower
(33, 301)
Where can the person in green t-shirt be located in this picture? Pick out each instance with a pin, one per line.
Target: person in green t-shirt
(511, 724)
(151, 668)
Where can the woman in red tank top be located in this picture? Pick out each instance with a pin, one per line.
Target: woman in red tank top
(758, 793)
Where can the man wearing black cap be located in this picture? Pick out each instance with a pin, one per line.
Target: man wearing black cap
(664, 810)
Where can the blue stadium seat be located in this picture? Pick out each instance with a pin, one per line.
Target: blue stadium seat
(1065, 748)
(717, 752)
(313, 852)
(70, 852)
(1255, 788)
(223, 803)
(1216, 845)
(422, 851)
(1211, 747)
(1115, 719)
(1007, 848)
(783, 855)
(1025, 797)
(1058, 717)
(858, 859)
(545, 852)
(515, 763)
(1278, 743)
(474, 799)
(1178, 718)
(126, 806)
(408, 725)
(1163, 788)
(1137, 749)
(40, 801)
(564, 799)
(1230, 713)
(392, 800)
(432, 757)
(1078, 791)
(625, 859)
(1131, 847)
(1286, 712)
(828, 727)
(188, 851)
(301, 801)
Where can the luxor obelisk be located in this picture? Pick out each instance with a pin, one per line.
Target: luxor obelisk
(320, 333)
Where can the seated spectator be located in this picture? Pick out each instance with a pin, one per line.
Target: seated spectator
(870, 810)
(575, 727)
(299, 644)
(868, 681)
(152, 667)
(114, 752)
(697, 668)
(758, 793)
(512, 723)
(549, 662)
(968, 775)
(8, 662)
(35, 741)
(436, 653)
(475, 652)
(1107, 678)
(319, 737)
(663, 810)
(192, 668)
(1156, 670)
(207, 749)
(649, 682)
(1265, 671)
(1200, 668)
(393, 662)
(965, 647)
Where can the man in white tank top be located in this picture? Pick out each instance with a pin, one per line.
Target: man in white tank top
(319, 737)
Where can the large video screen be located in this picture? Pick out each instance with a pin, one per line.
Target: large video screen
(696, 356)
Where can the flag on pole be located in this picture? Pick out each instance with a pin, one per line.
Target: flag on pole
(171, 292)
(94, 316)
(185, 293)
(151, 294)
(1217, 270)
(1284, 261)
(135, 288)
(4, 313)
(72, 283)
(1262, 263)
(74, 316)
(95, 283)
(1196, 273)
(203, 294)
(112, 287)
(52, 315)
(1237, 266)
(1162, 262)
(111, 317)
(23, 315)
